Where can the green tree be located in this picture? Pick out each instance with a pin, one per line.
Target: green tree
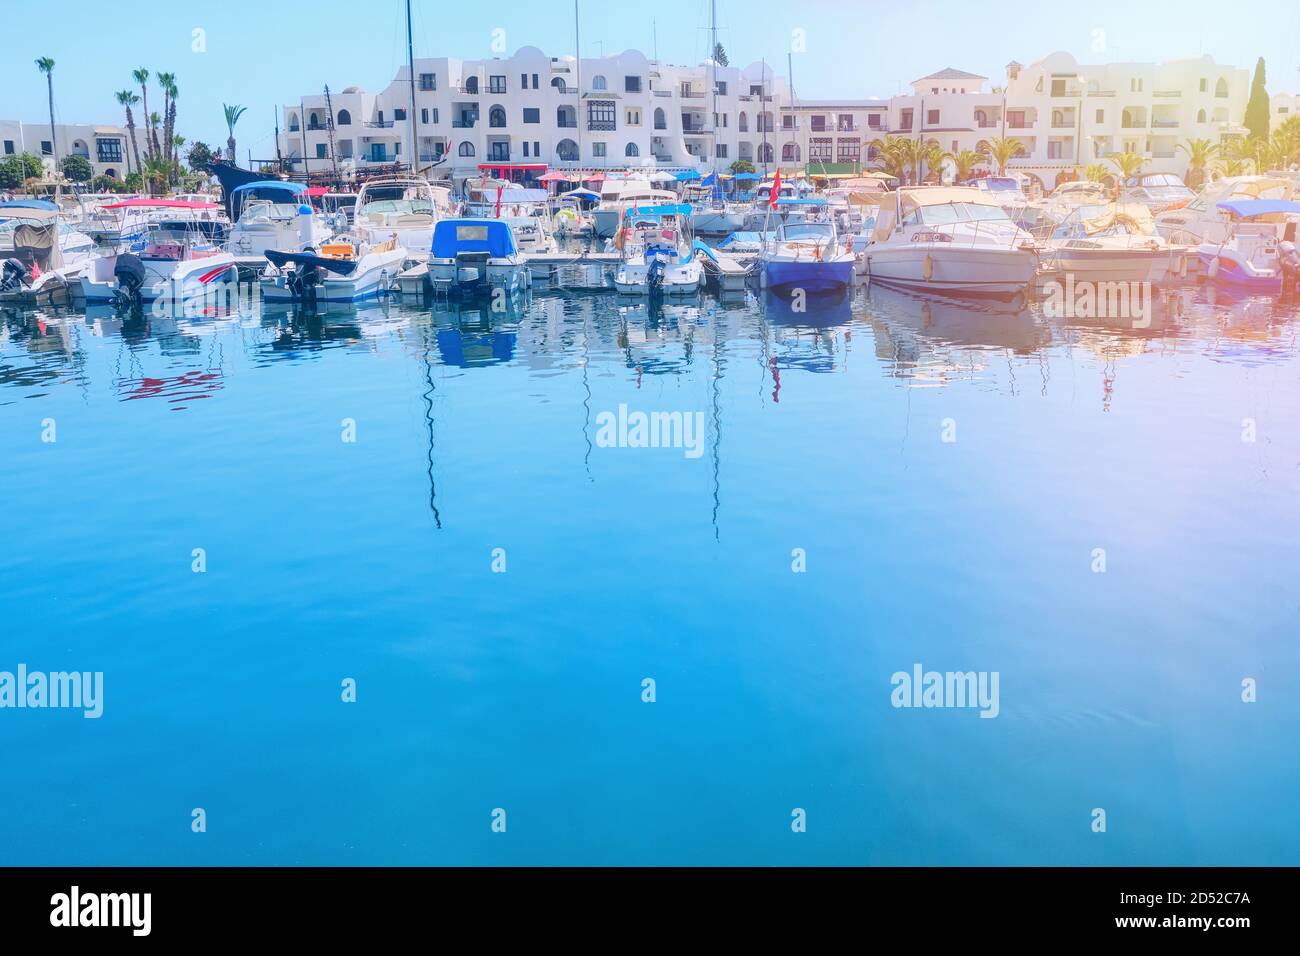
(1200, 154)
(964, 163)
(232, 117)
(1001, 150)
(720, 55)
(141, 76)
(77, 168)
(1129, 164)
(1257, 105)
(892, 154)
(199, 157)
(168, 83)
(127, 99)
(46, 66)
(741, 166)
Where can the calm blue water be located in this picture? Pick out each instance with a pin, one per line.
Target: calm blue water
(373, 560)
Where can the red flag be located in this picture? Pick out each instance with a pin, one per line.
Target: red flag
(499, 189)
(36, 270)
(776, 188)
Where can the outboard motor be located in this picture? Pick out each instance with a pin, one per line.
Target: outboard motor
(14, 275)
(130, 274)
(302, 280)
(1289, 258)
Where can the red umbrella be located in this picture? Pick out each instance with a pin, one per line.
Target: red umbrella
(594, 178)
(554, 176)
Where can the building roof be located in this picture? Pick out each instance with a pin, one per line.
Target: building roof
(948, 73)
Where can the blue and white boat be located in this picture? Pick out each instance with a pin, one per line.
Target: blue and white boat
(471, 255)
(807, 257)
(1249, 256)
(346, 269)
(41, 253)
(274, 215)
(658, 257)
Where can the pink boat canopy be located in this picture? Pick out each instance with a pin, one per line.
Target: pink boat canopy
(162, 204)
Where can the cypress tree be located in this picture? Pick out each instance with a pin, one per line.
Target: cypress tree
(1257, 105)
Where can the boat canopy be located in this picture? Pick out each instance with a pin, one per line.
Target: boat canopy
(588, 194)
(746, 177)
(687, 174)
(814, 201)
(267, 185)
(665, 209)
(42, 204)
(519, 196)
(1250, 208)
(160, 204)
(1135, 215)
(451, 237)
(33, 209)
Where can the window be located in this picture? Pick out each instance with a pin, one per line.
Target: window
(631, 150)
(566, 117)
(345, 149)
(9, 147)
(848, 150)
(598, 82)
(435, 115)
(819, 148)
(345, 118)
(108, 150)
(471, 86)
(1058, 87)
(496, 84)
(1135, 85)
(499, 151)
(466, 148)
(721, 152)
(1221, 89)
(873, 120)
(844, 122)
(314, 122)
(293, 123)
(787, 121)
(399, 114)
(497, 117)
(428, 81)
(1205, 85)
(905, 119)
(598, 150)
(600, 115)
(932, 117)
(537, 148)
(424, 116)
(534, 81)
(523, 81)
(1054, 149)
(720, 87)
(790, 153)
(567, 150)
(631, 84)
(661, 121)
(320, 151)
(818, 122)
(1101, 116)
(526, 149)
(532, 116)
(632, 118)
(46, 148)
(1200, 116)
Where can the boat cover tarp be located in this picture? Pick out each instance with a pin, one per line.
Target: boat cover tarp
(1135, 215)
(343, 267)
(451, 237)
(42, 205)
(1249, 208)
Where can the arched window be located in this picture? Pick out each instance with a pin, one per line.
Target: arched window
(660, 121)
(567, 150)
(743, 122)
(765, 153)
(466, 148)
(981, 118)
(497, 116)
(345, 118)
(790, 153)
(471, 84)
(293, 122)
(1221, 88)
(558, 83)
(1200, 116)
(314, 121)
(598, 82)
(631, 150)
(111, 173)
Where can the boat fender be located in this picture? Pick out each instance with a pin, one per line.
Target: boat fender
(927, 267)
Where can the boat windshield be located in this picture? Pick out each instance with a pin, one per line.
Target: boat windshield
(398, 207)
(804, 231)
(266, 211)
(945, 214)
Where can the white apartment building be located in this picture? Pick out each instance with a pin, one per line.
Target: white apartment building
(530, 112)
(1281, 107)
(107, 147)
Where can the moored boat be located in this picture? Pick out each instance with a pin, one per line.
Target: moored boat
(470, 256)
(657, 253)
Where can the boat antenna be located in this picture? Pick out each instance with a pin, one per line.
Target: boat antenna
(410, 62)
(329, 129)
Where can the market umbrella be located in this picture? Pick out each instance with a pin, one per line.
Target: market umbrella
(594, 178)
(554, 176)
(686, 175)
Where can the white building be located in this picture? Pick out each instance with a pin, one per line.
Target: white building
(1282, 107)
(107, 147)
(530, 112)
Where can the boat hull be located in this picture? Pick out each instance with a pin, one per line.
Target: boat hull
(1111, 265)
(1224, 269)
(187, 280)
(953, 270)
(809, 275)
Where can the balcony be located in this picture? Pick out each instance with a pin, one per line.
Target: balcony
(431, 157)
(565, 89)
(464, 123)
(567, 124)
(695, 129)
(1164, 94)
(497, 155)
(847, 127)
(372, 124)
(1164, 124)
(692, 94)
(600, 126)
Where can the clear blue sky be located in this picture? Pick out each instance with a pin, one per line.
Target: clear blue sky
(266, 52)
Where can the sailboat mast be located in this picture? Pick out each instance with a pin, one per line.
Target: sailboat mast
(577, 77)
(410, 62)
(713, 70)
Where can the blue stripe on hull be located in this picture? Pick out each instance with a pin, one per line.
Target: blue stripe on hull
(810, 276)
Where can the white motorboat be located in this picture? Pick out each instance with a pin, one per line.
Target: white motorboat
(42, 254)
(617, 196)
(808, 257)
(129, 221)
(164, 269)
(658, 258)
(1249, 255)
(1158, 191)
(950, 239)
(571, 217)
(403, 207)
(1200, 220)
(345, 269)
(1108, 242)
(273, 215)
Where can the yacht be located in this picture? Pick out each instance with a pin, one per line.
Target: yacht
(1005, 190)
(1249, 254)
(1158, 191)
(1200, 220)
(571, 217)
(41, 253)
(273, 215)
(617, 196)
(346, 269)
(658, 258)
(471, 255)
(405, 207)
(951, 239)
(129, 221)
(1108, 242)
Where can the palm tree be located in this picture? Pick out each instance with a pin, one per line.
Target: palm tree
(1239, 154)
(1286, 141)
(150, 143)
(1200, 153)
(890, 154)
(1129, 164)
(1097, 173)
(127, 99)
(964, 163)
(177, 143)
(46, 65)
(1001, 150)
(167, 81)
(232, 117)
